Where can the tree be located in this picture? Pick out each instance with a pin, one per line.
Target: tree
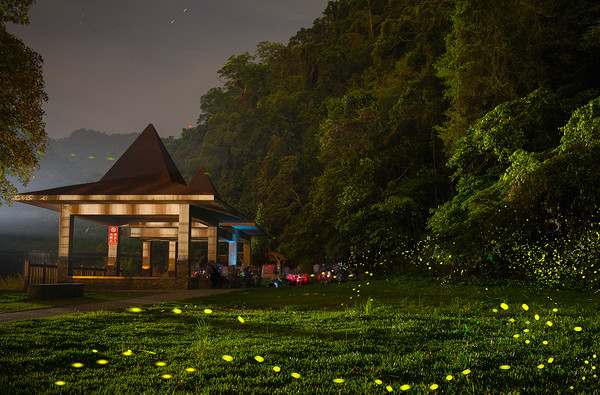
(500, 50)
(23, 138)
(519, 182)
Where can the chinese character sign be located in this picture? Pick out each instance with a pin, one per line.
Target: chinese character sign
(113, 235)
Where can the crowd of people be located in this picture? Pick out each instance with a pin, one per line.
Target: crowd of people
(320, 275)
(222, 276)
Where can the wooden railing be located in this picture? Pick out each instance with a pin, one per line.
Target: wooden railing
(39, 273)
(91, 271)
(44, 273)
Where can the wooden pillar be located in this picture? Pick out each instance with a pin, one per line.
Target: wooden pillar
(65, 243)
(111, 263)
(184, 232)
(212, 244)
(26, 274)
(146, 248)
(247, 253)
(232, 261)
(172, 258)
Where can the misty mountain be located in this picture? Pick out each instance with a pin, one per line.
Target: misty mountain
(82, 157)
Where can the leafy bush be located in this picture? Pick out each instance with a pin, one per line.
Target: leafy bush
(12, 282)
(567, 260)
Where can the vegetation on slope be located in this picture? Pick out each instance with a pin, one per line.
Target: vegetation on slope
(399, 127)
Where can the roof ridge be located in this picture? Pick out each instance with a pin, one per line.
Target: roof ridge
(146, 157)
(202, 183)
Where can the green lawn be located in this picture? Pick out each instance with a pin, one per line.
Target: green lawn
(411, 336)
(16, 300)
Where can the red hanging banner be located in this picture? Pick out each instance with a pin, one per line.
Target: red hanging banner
(113, 235)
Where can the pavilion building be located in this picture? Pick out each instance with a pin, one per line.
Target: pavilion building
(144, 197)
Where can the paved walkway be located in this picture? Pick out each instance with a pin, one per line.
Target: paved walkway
(110, 304)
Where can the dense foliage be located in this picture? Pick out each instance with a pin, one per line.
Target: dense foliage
(22, 135)
(457, 133)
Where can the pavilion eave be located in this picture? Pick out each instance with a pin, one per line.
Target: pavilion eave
(144, 194)
(43, 200)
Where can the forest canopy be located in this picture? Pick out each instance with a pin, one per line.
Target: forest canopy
(445, 136)
(23, 138)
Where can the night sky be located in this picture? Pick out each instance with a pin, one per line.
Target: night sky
(117, 65)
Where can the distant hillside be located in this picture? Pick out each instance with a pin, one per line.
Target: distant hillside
(82, 157)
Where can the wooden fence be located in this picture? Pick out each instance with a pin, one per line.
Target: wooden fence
(44, 273)
(39, 273)
(91, 271)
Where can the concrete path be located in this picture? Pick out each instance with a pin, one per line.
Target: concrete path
(110, 304)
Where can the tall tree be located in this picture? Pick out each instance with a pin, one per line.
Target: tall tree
(500, 50)
(23, 138)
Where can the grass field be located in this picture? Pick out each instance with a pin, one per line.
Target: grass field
(398, 336)
(16, 300)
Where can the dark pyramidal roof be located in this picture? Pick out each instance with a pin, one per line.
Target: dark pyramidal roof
(202, 182)
(146, 168)
(147, 156)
